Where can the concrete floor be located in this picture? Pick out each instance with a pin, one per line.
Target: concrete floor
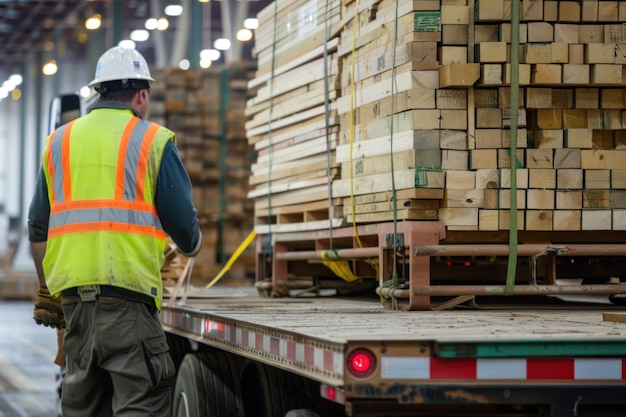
(27, 370)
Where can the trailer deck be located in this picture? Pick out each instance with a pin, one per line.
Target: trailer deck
(313, 337)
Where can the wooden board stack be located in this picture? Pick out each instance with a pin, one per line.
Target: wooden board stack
(292, 122)
(423, 111)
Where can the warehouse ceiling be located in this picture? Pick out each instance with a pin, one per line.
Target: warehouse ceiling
(28, 26)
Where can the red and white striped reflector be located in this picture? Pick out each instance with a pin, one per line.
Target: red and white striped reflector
(504, 368)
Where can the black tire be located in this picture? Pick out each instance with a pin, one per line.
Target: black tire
(272, 392)
(207, 386)
(179, 347)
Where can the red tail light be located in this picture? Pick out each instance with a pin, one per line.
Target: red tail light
(361, 363)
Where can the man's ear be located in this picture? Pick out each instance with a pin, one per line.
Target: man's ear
(144, 94)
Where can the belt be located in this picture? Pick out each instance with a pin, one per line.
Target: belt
(95, 291)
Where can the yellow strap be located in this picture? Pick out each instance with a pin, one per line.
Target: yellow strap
(242, 247)
(339, 266)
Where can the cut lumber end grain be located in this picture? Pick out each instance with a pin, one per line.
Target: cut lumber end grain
(614, 317)
(458, 75)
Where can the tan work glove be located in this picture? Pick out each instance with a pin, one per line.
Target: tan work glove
(48, 310)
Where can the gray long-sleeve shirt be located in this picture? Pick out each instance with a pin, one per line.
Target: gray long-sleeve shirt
(172, 200)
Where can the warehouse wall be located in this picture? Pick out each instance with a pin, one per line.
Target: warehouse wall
(23, 130)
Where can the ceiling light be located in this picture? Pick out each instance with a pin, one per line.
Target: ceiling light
(93, 22)
(244, 35)
(184, 64)
(50, 67)
(8, 85)
(16, 94)
(205, 63)
(139, 35)
(16, 79)
(3, 93)
(251, 23)
(204, 1)
(163, 23)
(151, 24)
(127, 43)
(174, 10)
(222, 44)
(210, 54)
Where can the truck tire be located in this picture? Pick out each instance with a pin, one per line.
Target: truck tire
(179, 347)
(272, 392)
(207, 386)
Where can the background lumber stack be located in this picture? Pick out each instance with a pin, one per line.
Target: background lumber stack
(206, 110)
(423, 109)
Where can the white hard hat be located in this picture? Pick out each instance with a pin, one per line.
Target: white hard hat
(122, 64)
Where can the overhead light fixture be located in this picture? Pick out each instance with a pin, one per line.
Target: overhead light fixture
(16, 94)
(16, 79)
(151, 24)
(205, 63)
(139, 35)
(251, 23)
(94, 22)
(222, 44)
(210, 54)
(127, 43)
(203, 1)
(50, 67)
(163, 23)
(184, 64)
(244, 35)
(174, 10)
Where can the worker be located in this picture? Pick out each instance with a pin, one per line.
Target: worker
(111, 187)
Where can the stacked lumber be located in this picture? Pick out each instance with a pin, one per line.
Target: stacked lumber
(571, 153)
(392, 128)
(424, 119)
(292, 123)
(205, 108)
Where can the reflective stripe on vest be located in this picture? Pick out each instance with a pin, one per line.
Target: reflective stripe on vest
(127, 212)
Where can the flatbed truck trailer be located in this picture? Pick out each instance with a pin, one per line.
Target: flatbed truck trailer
(238, 354)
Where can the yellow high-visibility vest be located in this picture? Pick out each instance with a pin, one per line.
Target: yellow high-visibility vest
(101, 171)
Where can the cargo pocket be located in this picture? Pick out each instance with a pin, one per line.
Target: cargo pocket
(159, 362)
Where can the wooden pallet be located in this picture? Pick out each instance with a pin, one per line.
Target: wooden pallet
(16, 285)
(434, 270)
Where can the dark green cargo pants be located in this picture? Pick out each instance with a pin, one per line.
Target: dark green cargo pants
(118, 361)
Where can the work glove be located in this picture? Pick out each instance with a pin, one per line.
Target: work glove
(48, 310)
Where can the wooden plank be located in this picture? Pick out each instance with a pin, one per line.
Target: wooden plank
(412, 158)
(540, 199)
(402, 214)
(415, 139)
(542, 178)
(596, 219)
(400, 194)
(428, 206)
(614, 317)
(463, 198)
(538, 220)
(569, 199)
(381, 182)
(569, 179)
(458, 74)
(566, 220)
